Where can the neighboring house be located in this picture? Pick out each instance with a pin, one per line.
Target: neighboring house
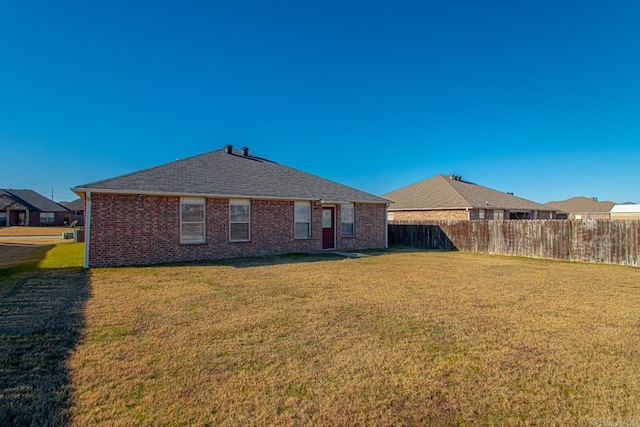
(77, 208)
(449, 197)
(222, 204)
(626, 211)
(26, 207)
(583, 208)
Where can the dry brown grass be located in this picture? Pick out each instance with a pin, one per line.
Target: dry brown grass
(410, 339)
(34, 231)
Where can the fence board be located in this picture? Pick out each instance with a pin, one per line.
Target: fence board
(602, 241)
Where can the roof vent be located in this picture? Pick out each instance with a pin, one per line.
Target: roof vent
(510, 193)
(228, 149)
(595, 199)
(455, 177)
(244, 151)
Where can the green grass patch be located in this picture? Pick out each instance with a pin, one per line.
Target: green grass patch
(69, 255)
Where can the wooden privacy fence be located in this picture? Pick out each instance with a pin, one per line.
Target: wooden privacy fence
(604, 241)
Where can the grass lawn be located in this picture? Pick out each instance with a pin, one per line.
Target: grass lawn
(414, 338)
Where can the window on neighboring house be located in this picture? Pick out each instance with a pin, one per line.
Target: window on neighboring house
(346, 220)
(192, 220)
(3, 219)
(239, 220)
(481, 214)
(302, 220)
(47, 217)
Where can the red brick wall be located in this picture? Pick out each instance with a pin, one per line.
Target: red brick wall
(130, 230)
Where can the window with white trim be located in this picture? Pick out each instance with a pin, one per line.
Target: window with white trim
(192, 220)
(302, 220)
(347, 220)
(239, 220)
(47, 217)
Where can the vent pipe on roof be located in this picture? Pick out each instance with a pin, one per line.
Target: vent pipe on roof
(228, 149)
(453, 177)
(244, 151)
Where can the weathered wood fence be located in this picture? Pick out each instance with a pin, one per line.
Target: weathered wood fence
(603, 241)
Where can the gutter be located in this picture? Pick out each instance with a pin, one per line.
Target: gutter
(87, 229)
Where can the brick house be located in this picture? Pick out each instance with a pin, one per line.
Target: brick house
(583, 208)
(449, 197)
(222, 204)
(26, 207)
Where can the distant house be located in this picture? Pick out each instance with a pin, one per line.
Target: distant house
(77, 208)
(26, 207)
(627, 211)
(222, 204)
(583, 208)
(449, 197)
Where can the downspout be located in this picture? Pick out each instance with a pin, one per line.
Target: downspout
(87, 229)
(386, 226)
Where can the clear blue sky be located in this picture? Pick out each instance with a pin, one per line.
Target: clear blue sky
(539, 98)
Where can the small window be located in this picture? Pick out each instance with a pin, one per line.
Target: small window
(346, 220)
(192, 220)
(481, 214)
(47, 217)
(302, 220)
(239, 220)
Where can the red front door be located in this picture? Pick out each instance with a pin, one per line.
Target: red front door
(328, 229)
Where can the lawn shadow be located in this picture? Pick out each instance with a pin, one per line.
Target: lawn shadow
(17, 258)
(260, 261)
(295, 258)
(41, 322)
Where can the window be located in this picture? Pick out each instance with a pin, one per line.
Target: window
(192, 220)
(481, 214)
(498, 214)
(302, 220)
(48, 217)
(3, 219)
(239, 220)
(346, 220)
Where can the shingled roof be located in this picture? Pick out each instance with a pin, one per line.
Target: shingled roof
(582, 205)
(230, 174)
(445, 192)
(34, 201)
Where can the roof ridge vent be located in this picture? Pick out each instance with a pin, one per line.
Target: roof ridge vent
(453, 177)
(244, 151)
(228, 149)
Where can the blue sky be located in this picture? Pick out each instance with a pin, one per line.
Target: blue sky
(538, 98)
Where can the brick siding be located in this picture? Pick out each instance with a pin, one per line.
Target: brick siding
(139, 230)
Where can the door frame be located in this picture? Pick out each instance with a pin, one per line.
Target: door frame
(333, 210)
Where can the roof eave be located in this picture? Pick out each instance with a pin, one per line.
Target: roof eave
(81, 191)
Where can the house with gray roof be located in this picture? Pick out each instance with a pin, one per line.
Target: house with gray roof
(26, 207)
(222, 204)
(583, 207)
(444, 197)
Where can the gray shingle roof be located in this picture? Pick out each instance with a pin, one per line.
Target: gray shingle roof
(34, 201)
(581, 205)
(76, 205)
(230, 175)
(441, 192)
